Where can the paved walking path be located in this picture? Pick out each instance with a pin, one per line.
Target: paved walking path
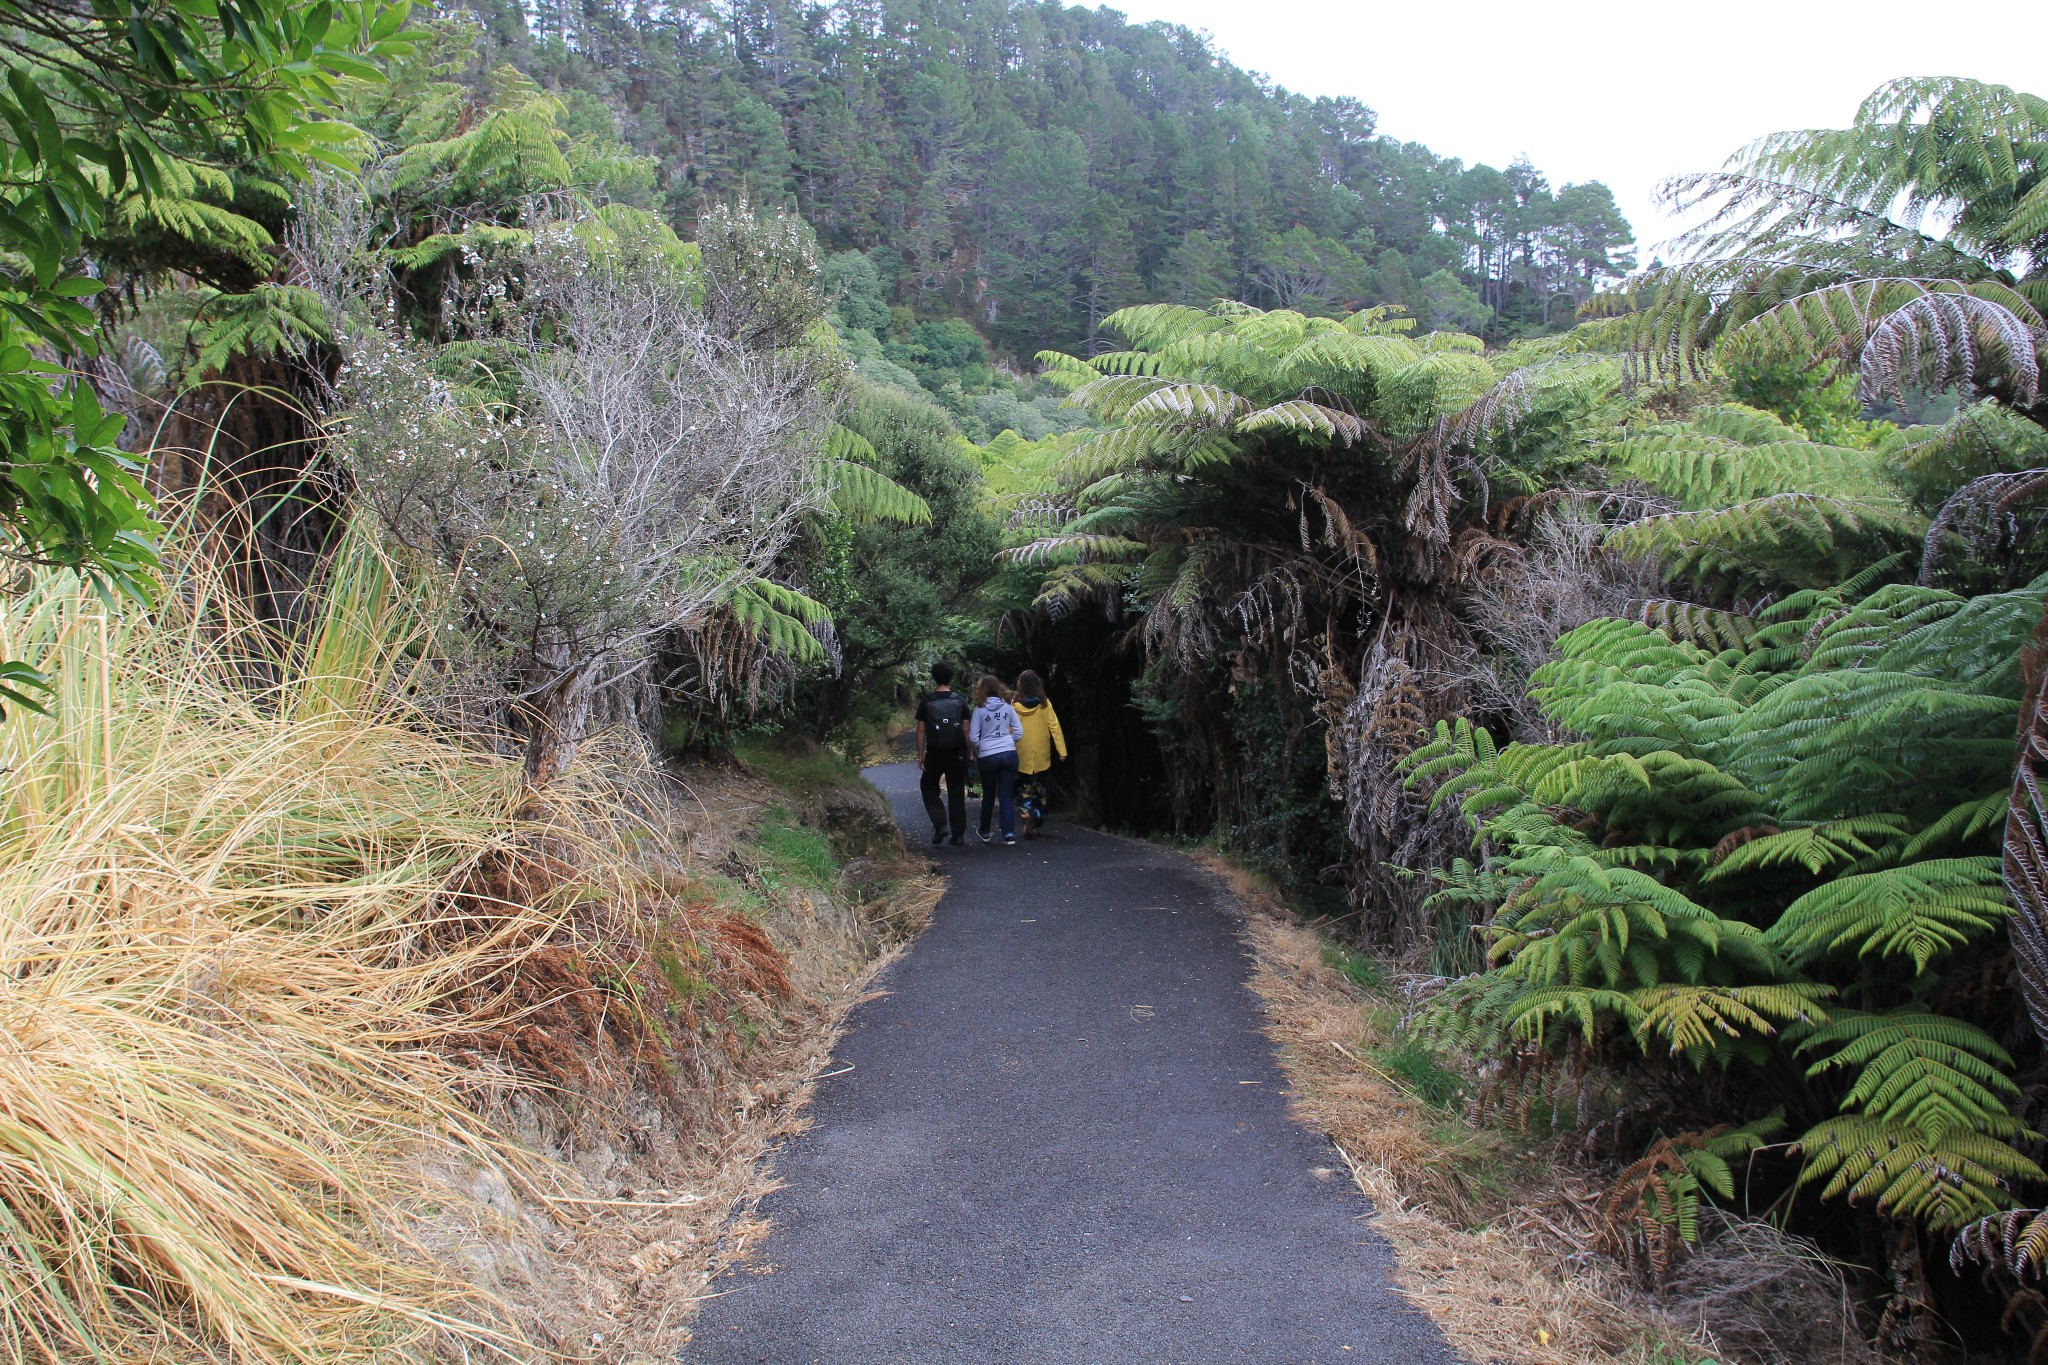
(1062, 1141)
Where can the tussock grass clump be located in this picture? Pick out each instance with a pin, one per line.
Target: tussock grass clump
(225, 961)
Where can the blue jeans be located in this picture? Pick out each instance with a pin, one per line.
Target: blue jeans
(998, 780)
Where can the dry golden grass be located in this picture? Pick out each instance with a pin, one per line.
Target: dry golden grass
(323, 1040)
(220, 925)
(1493, 1235)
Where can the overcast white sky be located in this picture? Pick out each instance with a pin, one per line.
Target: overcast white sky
(1627, 94)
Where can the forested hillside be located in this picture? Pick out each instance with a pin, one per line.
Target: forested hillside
(1033, 167)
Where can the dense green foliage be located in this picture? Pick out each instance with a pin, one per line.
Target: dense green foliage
(126, 121)
(1770, 856)
(1032, 167)
(1753, 833)
(895, 593)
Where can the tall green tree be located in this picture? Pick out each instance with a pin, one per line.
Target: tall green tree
(983, 141)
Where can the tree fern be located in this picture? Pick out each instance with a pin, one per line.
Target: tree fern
(455, 152)
(1728, 832)
(1908, 246)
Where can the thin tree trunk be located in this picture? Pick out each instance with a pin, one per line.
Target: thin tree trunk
(556, 721)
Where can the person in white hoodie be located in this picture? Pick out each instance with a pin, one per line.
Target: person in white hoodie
(993, 736)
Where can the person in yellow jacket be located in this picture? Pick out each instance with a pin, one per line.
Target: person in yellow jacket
(1042, 735)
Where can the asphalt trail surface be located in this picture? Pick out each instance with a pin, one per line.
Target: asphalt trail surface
(1063, 1141)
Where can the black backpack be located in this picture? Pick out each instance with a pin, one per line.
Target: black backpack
(945, 723)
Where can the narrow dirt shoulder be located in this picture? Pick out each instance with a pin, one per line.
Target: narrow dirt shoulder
(1061, 1137)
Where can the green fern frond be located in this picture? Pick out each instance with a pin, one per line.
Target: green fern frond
(1340, 360)
(208, 227)
(1112, 397)
(1302, 418)
(1791, 534)
(1069, 584)
(1962, 823)
(866, 494)
(1534, 1011)
(780, 618)
(1921, 1069)
(844, 443)
(1709, 473)
(1064, 371)
(1188, 402)
(510, 147)
(1125, 362)
(1943, 1181)
(1075, 549)
(270, 319)
(1689, 623)
(1456, 746)
(1919, 911)
(1696, 1020)
(1380, 320)
(1815, 847)
(1153, 326)
(1582, 779)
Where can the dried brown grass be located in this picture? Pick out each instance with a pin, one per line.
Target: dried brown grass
(228, 955)
(672, 1163)
(322, 1040)
(1495, 1236)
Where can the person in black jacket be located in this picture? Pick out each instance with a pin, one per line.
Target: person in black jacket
(942, 753)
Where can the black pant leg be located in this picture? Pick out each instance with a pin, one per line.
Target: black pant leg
(956, 795)
(928, 787)
(1006, 776)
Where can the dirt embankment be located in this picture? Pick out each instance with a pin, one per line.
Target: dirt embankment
(653, 1058)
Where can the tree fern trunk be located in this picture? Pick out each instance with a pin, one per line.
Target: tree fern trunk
(241, 454)
(2026, 837)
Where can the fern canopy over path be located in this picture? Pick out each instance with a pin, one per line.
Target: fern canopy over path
(1308, 509)
(1061, 1138)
